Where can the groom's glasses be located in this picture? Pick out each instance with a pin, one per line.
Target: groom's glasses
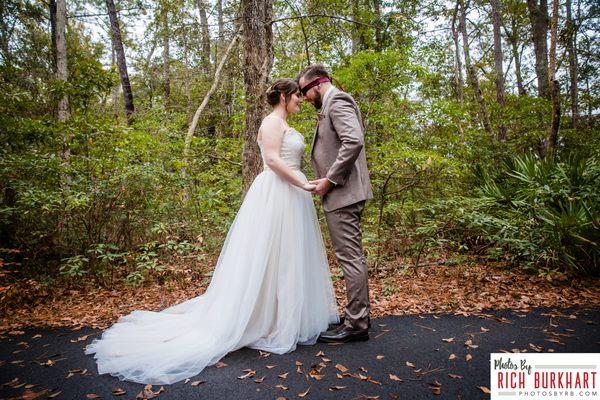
(314, 83)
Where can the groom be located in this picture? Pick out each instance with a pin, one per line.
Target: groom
(339, 160)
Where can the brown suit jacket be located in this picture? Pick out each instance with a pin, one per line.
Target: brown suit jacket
(338, 152)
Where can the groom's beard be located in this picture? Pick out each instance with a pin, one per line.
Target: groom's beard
(318, 101)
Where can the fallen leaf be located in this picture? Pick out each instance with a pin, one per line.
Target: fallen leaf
(55, 394)
(271, 366)
(435, 387)
(280, 386)
(452, 357)
(468, 357)
(337, 388)
(535, 348)
(409, 364)
(30, 394)
(259, 380)
(283, 376)
(197, 383)
(395, 378)
(448, 340)
(484, 389)
(92, 396)
(455, 376)
(264, 354)
(118, 392)
(149, 393)
(380, 357)
(341, 368)
(220, 364)
(247, 375)
(303, 394)
(15, 381)
(320, 354)
(80, 339)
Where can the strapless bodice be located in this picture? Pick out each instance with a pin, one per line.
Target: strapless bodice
(292, 149)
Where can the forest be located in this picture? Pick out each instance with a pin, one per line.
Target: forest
(128, 132)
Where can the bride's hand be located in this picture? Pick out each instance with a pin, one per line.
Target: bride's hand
(309, 187)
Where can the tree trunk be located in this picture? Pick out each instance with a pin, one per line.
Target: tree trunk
(61, 56)
(358, 42)
(589, 102)
(221, 26)
(499, 79)
(258, 61)
(471, 74)
(166, 56)
(378, 25)
(188, 79)
(115, 89)
(205, 35)
(52, 8)
(538, 16)
(571, 37)
(121, 60)
(553, 84)
(513, 39)
(459, 81)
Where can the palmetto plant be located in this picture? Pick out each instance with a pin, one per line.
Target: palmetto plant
(553, 206)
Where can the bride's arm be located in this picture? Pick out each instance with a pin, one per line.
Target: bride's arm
(272, 138)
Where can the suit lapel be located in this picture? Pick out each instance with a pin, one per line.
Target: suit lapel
(325, 110)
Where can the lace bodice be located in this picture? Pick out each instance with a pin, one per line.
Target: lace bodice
(292, 149)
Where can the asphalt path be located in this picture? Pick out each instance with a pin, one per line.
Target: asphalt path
(407, 357)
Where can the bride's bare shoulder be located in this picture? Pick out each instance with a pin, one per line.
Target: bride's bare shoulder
(271, 127)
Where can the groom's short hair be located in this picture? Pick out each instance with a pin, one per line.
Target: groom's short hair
(313, 71)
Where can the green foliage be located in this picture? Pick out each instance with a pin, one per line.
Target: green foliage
(94, 199)
(536, 212)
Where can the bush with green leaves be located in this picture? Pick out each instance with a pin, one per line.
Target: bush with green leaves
(536, 212)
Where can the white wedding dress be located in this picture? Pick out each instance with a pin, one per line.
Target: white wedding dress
(271, 289)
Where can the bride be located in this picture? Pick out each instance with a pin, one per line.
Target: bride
(271, 288)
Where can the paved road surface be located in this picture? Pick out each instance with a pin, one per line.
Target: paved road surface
(43, 357)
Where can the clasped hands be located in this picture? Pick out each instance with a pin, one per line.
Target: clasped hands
(318, 186)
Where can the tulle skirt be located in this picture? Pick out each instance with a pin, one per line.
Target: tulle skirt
(271, 290)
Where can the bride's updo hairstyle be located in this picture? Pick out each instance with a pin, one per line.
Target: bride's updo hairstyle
(286, 86)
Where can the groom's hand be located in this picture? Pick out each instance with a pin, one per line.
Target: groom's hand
(323, 186)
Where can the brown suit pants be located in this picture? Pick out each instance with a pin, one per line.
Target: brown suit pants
(345, 233)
